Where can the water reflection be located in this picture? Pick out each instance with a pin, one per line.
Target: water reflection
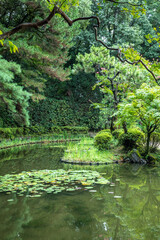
(31, 157)
(83, 215)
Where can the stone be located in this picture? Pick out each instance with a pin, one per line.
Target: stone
(135, 157)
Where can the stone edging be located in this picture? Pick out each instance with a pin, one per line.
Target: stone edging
(88, 163)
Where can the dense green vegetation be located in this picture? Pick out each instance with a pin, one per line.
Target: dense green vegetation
(91, 64)
(86, 152)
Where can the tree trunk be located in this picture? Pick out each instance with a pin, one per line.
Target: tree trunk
(112, 124)
(124, 127)
(148, 141)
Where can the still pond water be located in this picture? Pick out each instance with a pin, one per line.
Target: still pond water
(126, 209)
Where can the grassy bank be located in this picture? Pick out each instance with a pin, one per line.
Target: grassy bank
(85, 152)
(19, 141)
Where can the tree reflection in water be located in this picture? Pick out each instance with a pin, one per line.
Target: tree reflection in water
(82, 214)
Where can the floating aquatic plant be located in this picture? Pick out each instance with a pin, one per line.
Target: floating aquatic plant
(34, 183)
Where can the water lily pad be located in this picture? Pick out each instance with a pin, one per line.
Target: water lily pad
(50, 181)
(93, 191)
(117, 196)
(70, 189)
(10, 200)
(88, 187)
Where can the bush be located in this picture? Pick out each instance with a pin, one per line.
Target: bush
(132, 139)
(102, 140)
(117, 133)
(105, 130)
(11, 132)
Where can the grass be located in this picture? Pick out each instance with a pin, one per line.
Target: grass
(6, 143)
(85, 151)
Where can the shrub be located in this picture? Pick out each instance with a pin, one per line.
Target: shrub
(132, 139)
(105, 130)
(5, 133)
(117, 133)
(102, 140)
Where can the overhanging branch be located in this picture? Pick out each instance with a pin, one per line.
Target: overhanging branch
(25, 26)
(121, 59)
(55, 10)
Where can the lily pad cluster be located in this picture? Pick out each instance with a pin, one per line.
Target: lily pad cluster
(34, 183)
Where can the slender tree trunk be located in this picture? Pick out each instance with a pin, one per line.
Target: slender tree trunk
(148, 141)
(112, 124)
(124, 127)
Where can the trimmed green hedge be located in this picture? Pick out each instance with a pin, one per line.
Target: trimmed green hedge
(11, 133)
(105, 130)
(102, 140)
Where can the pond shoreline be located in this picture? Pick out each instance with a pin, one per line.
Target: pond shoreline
(39, 142)
(90, 163)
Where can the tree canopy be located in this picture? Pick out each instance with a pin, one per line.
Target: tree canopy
(142, 107)
(60, 7)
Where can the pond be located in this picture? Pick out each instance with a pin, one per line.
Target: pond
(126, 209)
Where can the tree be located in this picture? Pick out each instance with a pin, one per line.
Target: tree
(143, 108)
(13, 97)
(59, 7)
(114, 78)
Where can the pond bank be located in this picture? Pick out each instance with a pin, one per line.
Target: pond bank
(90, 163)
(40, 142)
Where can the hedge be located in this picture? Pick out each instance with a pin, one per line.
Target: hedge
(11, 133)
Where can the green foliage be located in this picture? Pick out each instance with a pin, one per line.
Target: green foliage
(11, 133)
(154, 141)
(69, 129)
(105, 66)
(132, 138)
(51, 112)
(84, 151)
(117, 133)
(141, 106)
(102, 140)
(64, 5)
(74, 130)
(105, 130)
(13, 97)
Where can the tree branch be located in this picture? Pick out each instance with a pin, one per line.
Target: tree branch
(119, 55)
(25, 26)
(55, 10)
